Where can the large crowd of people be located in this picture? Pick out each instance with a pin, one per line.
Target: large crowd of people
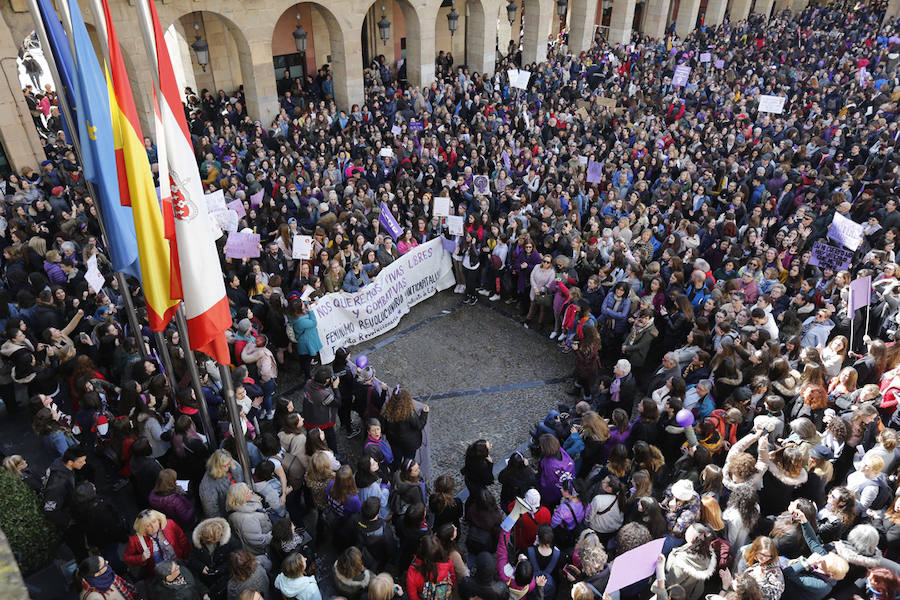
(725, 397)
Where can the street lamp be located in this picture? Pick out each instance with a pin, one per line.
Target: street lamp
(201, 49)
(300, 38)
(511, 12)
(453, 20)
(384, 28)
(561, 7)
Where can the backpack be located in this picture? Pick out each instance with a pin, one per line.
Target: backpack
(438, 590)
(293, 470)
(718, 418)
(289, 330)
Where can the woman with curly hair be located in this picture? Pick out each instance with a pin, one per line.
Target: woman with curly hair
(403, 426)
(741, 514)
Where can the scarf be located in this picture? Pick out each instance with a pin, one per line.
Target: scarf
(102, 582)
(614, 389)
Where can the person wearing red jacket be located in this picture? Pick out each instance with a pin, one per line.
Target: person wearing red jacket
(524, 532)
(431, 567)
(155, 539)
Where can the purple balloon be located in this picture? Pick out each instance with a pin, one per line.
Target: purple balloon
(362, 361)
(684, 417)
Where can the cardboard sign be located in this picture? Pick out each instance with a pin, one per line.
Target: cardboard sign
(441, 207)
(302, 247)
(830, 257)
(238, 207)
(681, 76)
(481, 185)
(242, 245)
(606, 102)
(771, 104)
(455, 225)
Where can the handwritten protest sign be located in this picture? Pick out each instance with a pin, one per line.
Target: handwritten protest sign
(455, 225)
(705, 57)
(606, 102)
(302, 247)
(594, 172)
(416, 125)
(442, 206)
(682, 73)
(846, 232)
(396, 130)
(256, 199)
(860, 293)
(238, 207)
(771, 104)
(93, 276)
(518, 78)
(719, 64)
(242, 245)
(830, 257)
(227, 220)
(215, 201)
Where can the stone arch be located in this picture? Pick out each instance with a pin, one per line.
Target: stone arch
(538, 20)
(320, 46)
(418, 17)
(475, 43)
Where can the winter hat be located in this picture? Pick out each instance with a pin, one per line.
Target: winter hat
(244, 326)
(821, 452)
(683, 490)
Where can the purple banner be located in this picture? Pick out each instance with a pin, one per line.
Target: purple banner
(416, 125)
(388, 221)
(860, 293)
(720, 64)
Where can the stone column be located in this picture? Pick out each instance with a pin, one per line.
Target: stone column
(581, 24)
(220, 55)
(687, 17)
(655, 17)
(481, 29)
(763, 7)
(620, 21)
(798, 5)
(892, 11)
(715, 12)
(17, 130)
(740, 10)
(420, 53)
(538, 21)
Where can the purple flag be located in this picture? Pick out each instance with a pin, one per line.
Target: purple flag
(860, 293)
(388, 221)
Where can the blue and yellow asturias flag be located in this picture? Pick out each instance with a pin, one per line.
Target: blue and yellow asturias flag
(96, 135)
(162, 287)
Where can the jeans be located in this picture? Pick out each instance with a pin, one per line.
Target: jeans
(268, 389)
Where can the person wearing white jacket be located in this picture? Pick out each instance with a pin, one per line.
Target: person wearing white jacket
(268, 370)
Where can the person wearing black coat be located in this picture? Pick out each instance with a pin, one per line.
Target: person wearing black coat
(478, 470)
(374, 536)
(208, 560)
(144, 470)
(403, 425)
(103, 525)
(481, 583)
(516, 478)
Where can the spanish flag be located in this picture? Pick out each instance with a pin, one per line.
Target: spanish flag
(162, 286)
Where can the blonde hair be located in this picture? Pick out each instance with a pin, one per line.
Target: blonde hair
(218, 463)
(146, 517)
(210, 531)
(381, 587)
(14, 464)
(320, 467)
(875, 464)
(595, 426)
(237, 495)
(38, 244)
(581, 591)
(836, 566)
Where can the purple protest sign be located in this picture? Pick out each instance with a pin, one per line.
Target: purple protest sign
(449, 245)
(634, 565)
(682, 73)
(594, 172)
(256, 199)
(830, 257)
(238, 207)
(416, 125)
(388, 221)
(720, 64)
(705, 57)
(860, 293)
(242, 245)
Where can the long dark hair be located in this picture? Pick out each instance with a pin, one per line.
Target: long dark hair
(430, 553)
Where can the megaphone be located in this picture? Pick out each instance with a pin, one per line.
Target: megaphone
(519, 508)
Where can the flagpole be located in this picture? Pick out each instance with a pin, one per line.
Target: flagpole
(181, 323)
(243, 457)
(64, 108)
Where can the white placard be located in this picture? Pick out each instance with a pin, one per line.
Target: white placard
(94, 278)
(344, 319)
(385, 152)
(227, 220)
(302, 247)
(396, 130)
(518, 78)
(442, 207)
(455, 225)
(771, 104)
(215, 202)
